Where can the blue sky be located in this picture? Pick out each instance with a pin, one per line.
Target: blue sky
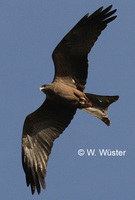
(29, 32)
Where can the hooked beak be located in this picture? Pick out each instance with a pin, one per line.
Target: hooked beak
(41, 88)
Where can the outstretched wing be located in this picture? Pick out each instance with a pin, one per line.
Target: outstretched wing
(70, 55)
(40, 129)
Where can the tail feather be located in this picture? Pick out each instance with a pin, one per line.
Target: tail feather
(98, 105)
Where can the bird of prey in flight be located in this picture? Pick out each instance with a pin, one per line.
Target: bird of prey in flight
(64, 96)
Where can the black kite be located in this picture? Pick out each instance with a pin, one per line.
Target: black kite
(64, 95)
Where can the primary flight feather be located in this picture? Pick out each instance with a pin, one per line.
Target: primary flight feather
(63, 96)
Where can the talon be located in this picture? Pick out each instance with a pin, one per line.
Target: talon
(82, 100)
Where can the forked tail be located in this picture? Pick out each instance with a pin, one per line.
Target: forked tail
(98, 105)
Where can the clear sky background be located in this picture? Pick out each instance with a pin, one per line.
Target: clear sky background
(29, 32)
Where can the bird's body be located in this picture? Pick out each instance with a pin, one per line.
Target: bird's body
(64, 96)
(63, 93)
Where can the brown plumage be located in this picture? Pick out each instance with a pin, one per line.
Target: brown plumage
(63, 96)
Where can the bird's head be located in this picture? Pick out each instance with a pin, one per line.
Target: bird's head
(47, 88)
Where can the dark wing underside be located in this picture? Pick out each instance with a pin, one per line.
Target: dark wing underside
(40, 129)
(70, 55)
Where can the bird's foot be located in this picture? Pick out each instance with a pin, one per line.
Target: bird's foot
(82, 100)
